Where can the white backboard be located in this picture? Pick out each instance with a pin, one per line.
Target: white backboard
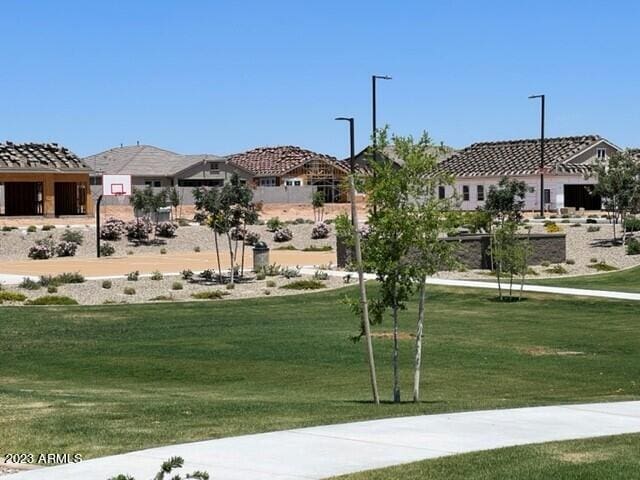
(113, 185)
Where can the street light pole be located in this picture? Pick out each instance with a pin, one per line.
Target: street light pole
(374, 127)
(364, 306)
(542, 99)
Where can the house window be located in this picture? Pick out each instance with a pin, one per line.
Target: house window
(547, 196)
(481, 193)
(200, 182)
(441, 192)
(157, 183)
(601, 153)
(268, 182)
(214, 167)
(465, 193)
(296, 182)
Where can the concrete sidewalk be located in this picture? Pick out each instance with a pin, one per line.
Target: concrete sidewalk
(494, 286)
(322, 452)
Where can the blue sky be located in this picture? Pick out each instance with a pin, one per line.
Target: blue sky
(225, 76)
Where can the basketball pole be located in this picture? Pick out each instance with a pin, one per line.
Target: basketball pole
(98, 225)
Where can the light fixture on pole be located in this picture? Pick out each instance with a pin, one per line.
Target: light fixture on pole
(542, 99)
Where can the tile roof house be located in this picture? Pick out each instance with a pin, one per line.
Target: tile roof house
(291, 166)
(43, 179)
(441, 152)
(567, 170)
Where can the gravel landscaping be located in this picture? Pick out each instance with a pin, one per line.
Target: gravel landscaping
(93, 292)
(584, 250)
(15, 245)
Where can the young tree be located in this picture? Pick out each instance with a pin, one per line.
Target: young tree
(175, 201)
(317, 202)
(392, 234)
(619, 186)
(509, 253)
(208, 200)
(148, 203)
(432, 218)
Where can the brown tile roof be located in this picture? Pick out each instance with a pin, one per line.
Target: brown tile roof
(519, 157)
(39, 157)
(276, 161)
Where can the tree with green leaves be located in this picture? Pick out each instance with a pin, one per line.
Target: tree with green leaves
(229, 210)
(509, 252)
(148, 202)
(432, 217)
(173, 195)
(317, 202)
(619, 186)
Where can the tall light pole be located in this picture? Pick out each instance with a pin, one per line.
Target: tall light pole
(374, 126)
(541, 97)
(364, 306)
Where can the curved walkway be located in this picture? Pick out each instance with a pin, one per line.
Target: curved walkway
(494, 286)
(322, 452)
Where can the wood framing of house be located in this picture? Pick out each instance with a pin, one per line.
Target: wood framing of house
(43, 179)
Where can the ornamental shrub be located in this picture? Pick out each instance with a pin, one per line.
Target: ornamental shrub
(274, 224)
(633, 246)
(75, 236)
(282, 235)
(52, 300)
(66, 249)
(632, 225)
(113, 229)
(138, 230)
(186, 274)
(42, 250)
(166, 229)
(133, 276)
(251, 238)
(106, 249)
(320, 230)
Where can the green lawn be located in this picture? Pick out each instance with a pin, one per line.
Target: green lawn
(608, 458)
(107, 379)
(623, 281)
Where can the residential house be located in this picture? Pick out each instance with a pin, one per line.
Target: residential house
(156, 167)
(363, 158)
(43, 179)
(298, 173)
(567, 170)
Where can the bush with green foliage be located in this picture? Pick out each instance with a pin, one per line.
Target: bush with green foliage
(260, 275)
(133, 276)
(196, 249)
(29, 284)
(177, 286)
(46, 228)
(31, 229)
(6, 296)
(42, 250)
(52, 300)
(320, 275)
(282, 235)
(602, 266)
(271, 283)
(107, 249)
(157, 275)
(251, 238)
(52, 289)
(290, 272)
(274, 224)
(61, 279)
(129, 291)
(74, 236)
(311, 284)
(271, 270)
(318, 248)
(106, 284)
(138, 230)
(593, 228)
(209, 295)
(633, 246)
(187, 274)
(556, 269)
(66, 249)
(632, 224)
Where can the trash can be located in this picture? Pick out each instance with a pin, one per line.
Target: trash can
(164, 214)
(260, 256)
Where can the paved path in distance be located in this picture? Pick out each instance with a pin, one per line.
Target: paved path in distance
(325, 451)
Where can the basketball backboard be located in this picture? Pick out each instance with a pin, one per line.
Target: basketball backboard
(115, 185)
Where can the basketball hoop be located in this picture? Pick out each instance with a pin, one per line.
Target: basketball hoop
(112, 186)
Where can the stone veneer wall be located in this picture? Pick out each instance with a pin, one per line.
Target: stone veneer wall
(473, 250)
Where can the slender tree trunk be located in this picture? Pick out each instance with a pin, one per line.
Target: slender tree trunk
(364, 304)
(396, 369)
(419, 332)
(231, 256)
(215, 237)
(510, 285)
(244, 227)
